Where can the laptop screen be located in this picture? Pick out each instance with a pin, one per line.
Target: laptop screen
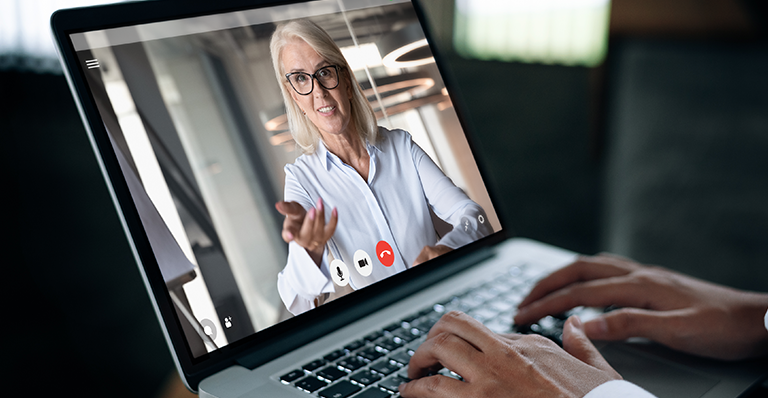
(284, 157)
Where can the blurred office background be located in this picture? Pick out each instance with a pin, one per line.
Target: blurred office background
(649, 141)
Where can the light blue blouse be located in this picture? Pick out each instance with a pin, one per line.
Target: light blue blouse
(393, 205)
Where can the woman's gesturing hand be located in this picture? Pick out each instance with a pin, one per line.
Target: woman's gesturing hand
(676, 310)
(496, 366)
(307, 228)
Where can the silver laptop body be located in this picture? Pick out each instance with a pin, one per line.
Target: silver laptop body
(188, 124)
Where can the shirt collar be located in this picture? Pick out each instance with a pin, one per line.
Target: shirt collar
(324, 154)
(326, 157)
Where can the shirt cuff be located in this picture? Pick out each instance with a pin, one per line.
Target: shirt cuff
(765, 320)
(303, 275)
(618, 388)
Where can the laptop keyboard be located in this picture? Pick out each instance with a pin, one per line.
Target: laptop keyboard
(374, 366)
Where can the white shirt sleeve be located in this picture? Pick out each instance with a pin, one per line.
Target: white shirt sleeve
(450, 203)
(765, 320)
(618, 389)
(301, 281)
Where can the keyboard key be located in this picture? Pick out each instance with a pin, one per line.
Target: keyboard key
(385, 367)
(401, 357)
(420, 326)
(392, 327)
(389, 344)
(351, 363)
(310, 384)
(549, 322)
(341, 389)
(371, 354)
(451, 301)
(411, 318)
(497, 326)
(335, 355)
(365, 377)
(374, 336)
(513, 296)
(373, 393)
(477, 316)
(487, 292)
(354, 345)
(404, 335)
(414, 345)
(549, 327)
(501, 305)
(522, 329)
(472, 300)
(393, 383)
(331, 373)
(450, 373)
(426, 323)
(427, 311)
(292, 375)
(483, 313)
(507, 317)
(556, 336)
(503, 284)
(314, 365)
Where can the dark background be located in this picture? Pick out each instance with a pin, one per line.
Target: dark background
(660, 154)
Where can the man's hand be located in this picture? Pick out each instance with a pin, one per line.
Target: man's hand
(430, 252)
(678, 311)
(307, 228)
(512, 365)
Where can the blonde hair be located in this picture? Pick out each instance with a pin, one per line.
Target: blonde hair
(304, 132)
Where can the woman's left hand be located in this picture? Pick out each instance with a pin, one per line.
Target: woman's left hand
(430, 252)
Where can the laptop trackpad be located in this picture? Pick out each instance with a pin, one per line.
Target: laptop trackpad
(656, 375)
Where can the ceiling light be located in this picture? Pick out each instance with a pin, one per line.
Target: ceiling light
(569, 32)
(406, 48)
(359, 57)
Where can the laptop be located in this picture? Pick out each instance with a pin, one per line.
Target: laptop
(187, 120)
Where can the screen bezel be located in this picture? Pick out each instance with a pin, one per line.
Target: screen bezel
(283, 337)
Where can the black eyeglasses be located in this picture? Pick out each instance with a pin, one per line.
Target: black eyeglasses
(303, 83)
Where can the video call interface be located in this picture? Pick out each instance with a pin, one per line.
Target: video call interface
(196, 115)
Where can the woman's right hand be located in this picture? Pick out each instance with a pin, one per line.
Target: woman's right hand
(307, 228)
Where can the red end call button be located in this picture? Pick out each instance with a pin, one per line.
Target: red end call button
(384, 253)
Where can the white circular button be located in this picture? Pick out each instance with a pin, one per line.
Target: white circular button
(363, 263)
(339, 272)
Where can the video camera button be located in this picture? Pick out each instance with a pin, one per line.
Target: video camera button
(363, 263)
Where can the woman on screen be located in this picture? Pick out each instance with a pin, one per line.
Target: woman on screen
(360, 193)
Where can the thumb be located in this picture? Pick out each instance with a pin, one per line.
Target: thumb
(290, 209)
(625, 323)
(576, 343)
